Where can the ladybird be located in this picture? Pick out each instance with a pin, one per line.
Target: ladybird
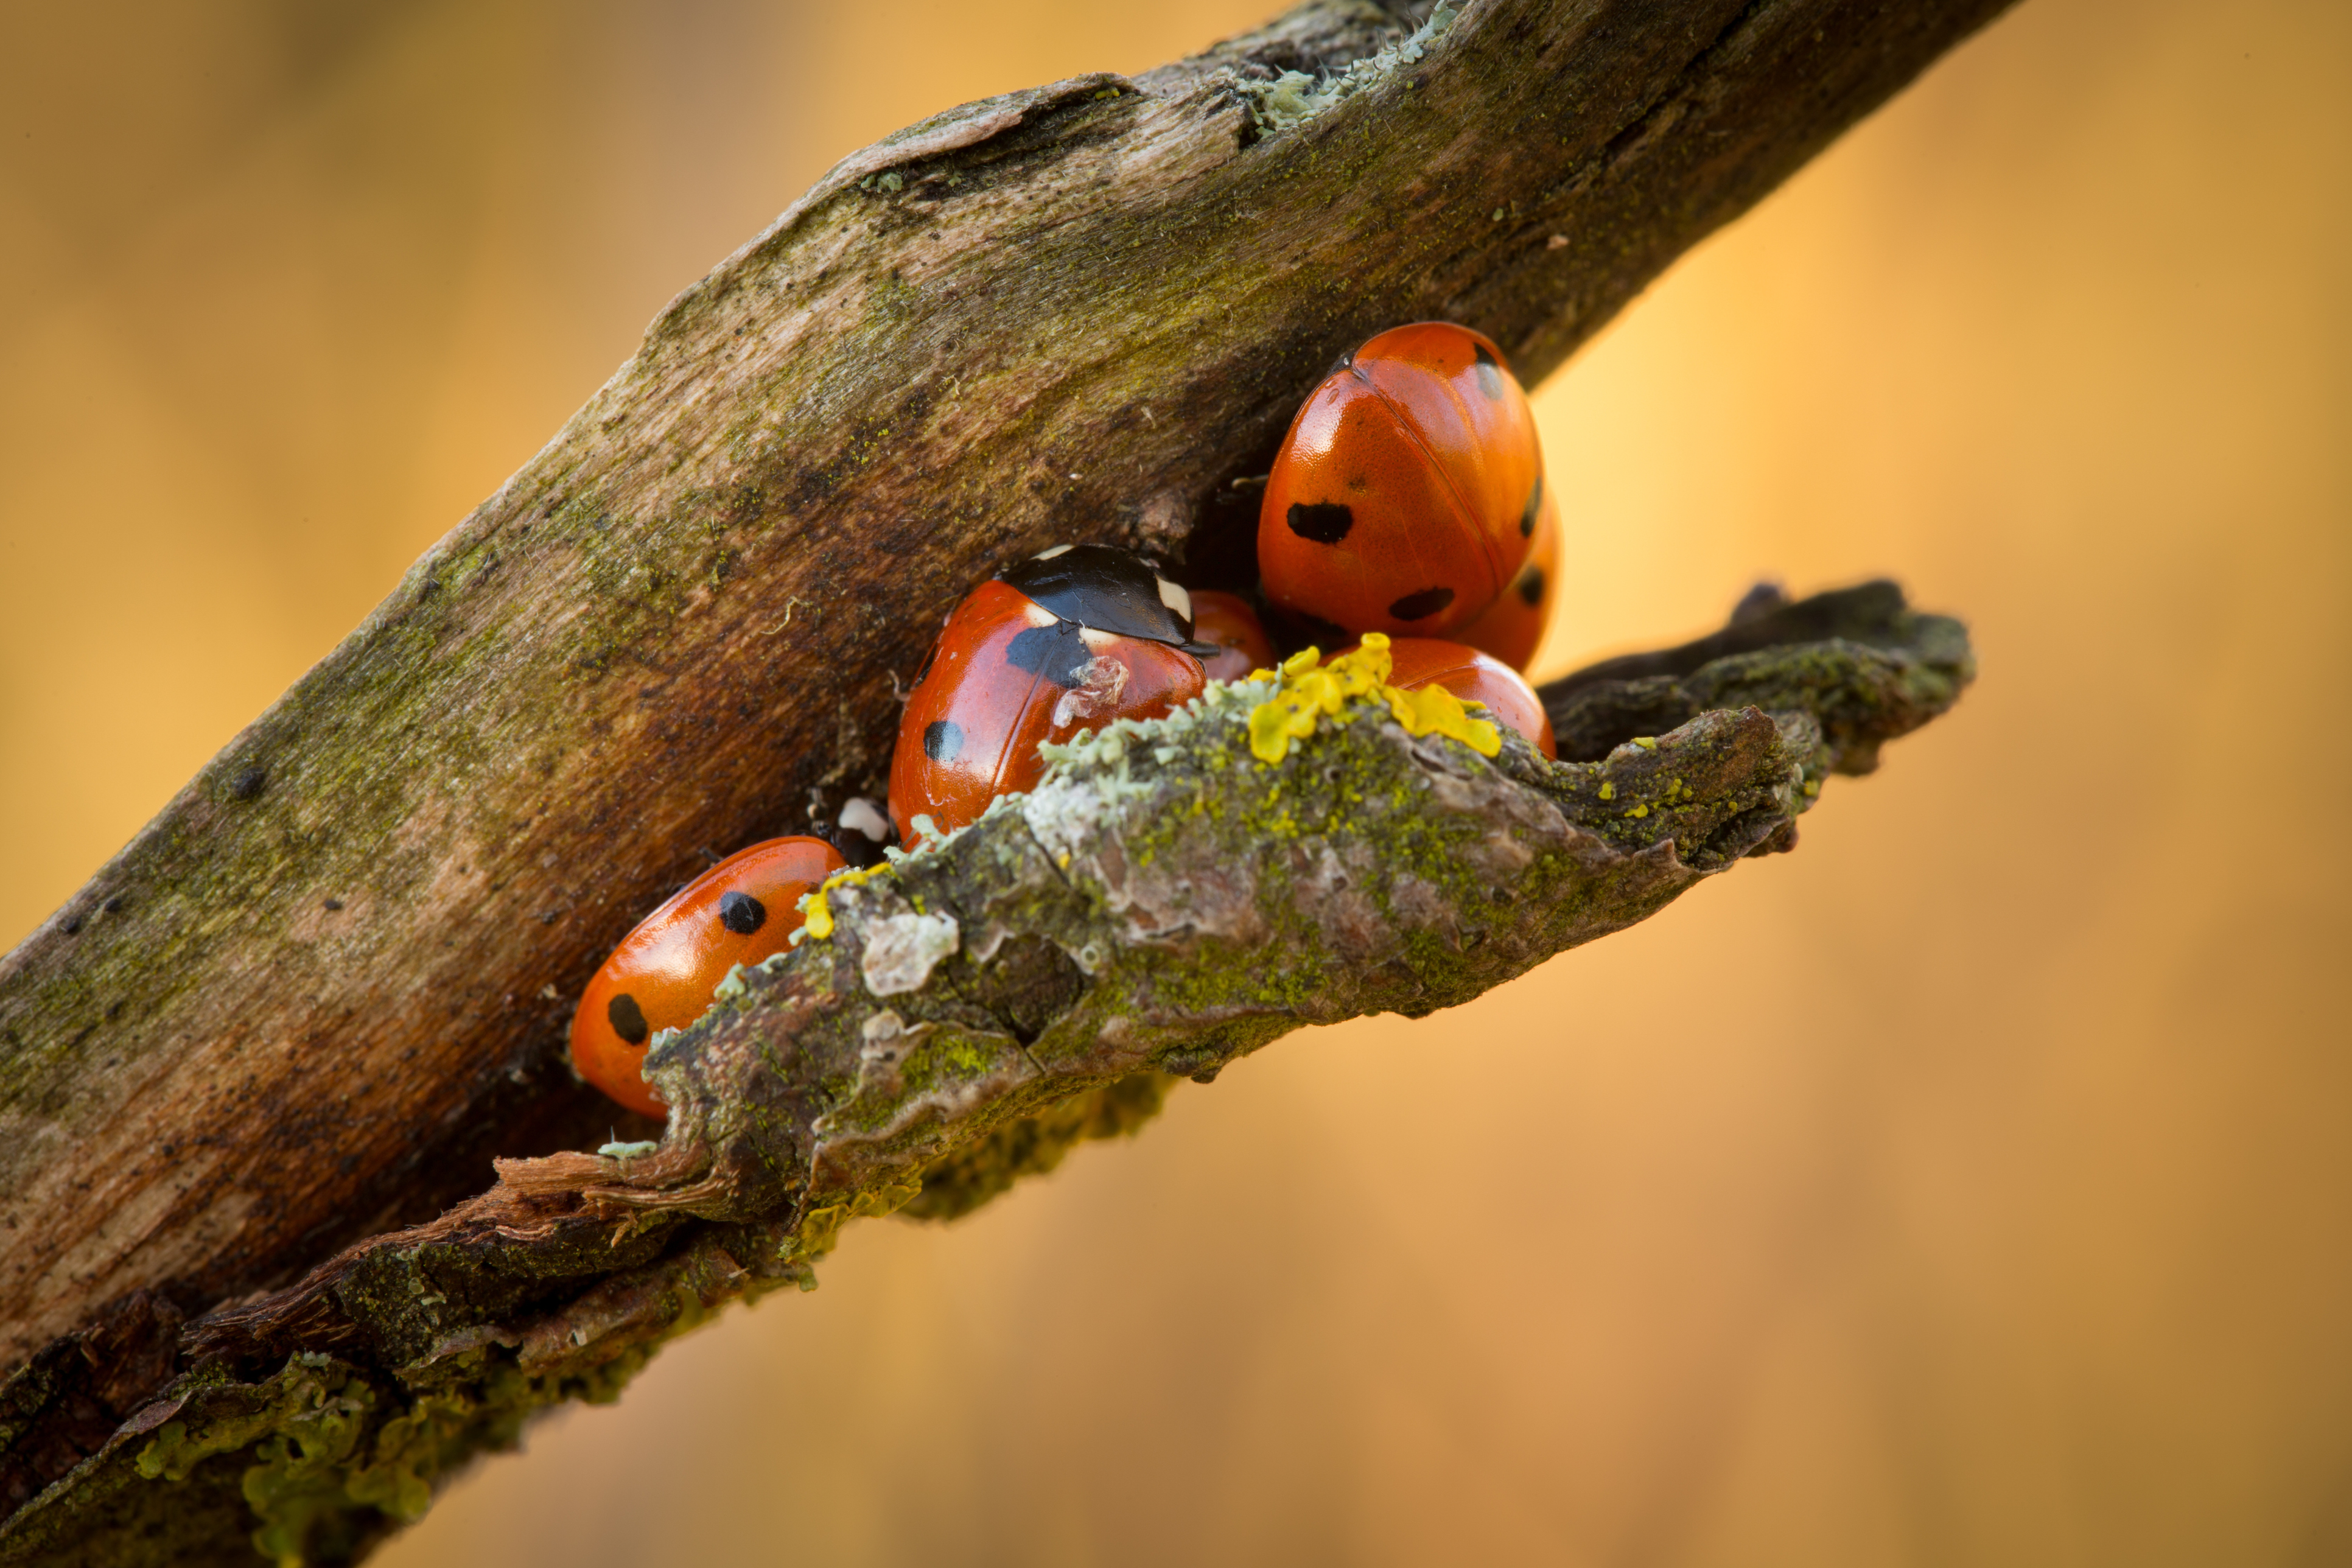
(1227, 621)
(1059, 646)
(1406, 492)
(1513, 626)
(1473, 677)
(861, 832)
(661, 976)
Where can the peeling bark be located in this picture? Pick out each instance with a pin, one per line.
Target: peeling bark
(1163, 903)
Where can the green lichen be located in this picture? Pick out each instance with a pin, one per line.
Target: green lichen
(1294, 97)
(1027, 1146)
(332, 1456)
(1367, 870)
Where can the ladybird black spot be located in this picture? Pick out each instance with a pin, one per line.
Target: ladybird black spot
(1527, 517)
(1323, 521)
(1427, 602)
(740, 912)
(1490, 375)
(942, 739)
(1056, 652)
(1530, 585)
(628, 1019)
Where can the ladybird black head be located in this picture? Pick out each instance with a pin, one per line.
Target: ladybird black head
(740, 912)
(1490, 374)
(863, 828)
(1426, 602)
(1534, 501)
(1105, 589)
(1322, 522)
(628, 1019)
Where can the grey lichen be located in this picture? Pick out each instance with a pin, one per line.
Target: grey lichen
(1294, 97)
(1163, 903)
(902, 951)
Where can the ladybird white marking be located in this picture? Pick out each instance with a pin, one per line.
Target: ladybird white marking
(1173, 595)
(858, 813)
(1049, 554)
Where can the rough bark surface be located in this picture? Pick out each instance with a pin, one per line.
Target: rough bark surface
(311, 1000)
(1163, 903)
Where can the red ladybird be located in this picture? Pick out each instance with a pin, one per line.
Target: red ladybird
(661, 976)
(1059, 646)
(1473, 677)
(1513, 626)
(1405, 494)
(1226, 621)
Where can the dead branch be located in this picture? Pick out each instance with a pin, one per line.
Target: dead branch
(297, 1012)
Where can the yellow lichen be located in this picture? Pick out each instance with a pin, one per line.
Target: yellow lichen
(1308, 689)
(816, 915)
(1365, 669)
(1276, 722)
(1434, 710)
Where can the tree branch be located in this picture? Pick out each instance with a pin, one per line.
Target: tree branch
(334, 973)
(1163, 903)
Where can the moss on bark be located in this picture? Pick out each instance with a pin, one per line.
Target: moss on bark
(1163, 903)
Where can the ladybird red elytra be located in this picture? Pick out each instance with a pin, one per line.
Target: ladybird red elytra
(1057, 646)
(1405, 496)
(1473, 677)
(661, 976)
(1513, 626)
(1226, 621)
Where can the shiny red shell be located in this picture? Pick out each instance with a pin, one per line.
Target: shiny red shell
(1226, 620)
(1512, 629)
(1406, 492)
(1006, 676)
(661, 976)
(1473, 677)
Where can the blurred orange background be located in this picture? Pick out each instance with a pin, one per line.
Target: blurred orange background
(1972, 1186)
